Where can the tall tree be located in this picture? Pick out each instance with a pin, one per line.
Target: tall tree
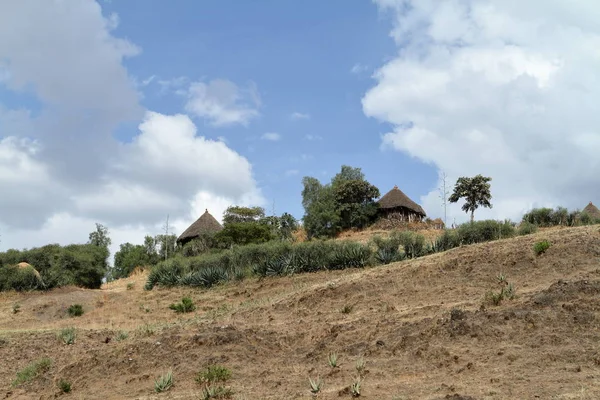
(355, 201)
(475, 191)
(235, 214)
(100, 236)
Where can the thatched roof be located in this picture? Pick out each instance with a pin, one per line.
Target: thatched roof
(395, 198)
(205, 224)
(592, 211)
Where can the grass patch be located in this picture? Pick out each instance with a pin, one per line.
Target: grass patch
(130, 285)
(75, 310)
(32, 371)
(213, 374)
(68, 335)
(16, 308)
(122, 335)
(216, 392)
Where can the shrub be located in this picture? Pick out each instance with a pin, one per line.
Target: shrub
(130, 285)
(485, 231)
(349, 254)
(64, 386)
(541, 247)
(449, 239)
(166, 273)
(68, 335)
(185, 306)
(332, 360)
(216, 392)
(413, 244)
(32, 371)
(75, 310)
(387, 250)
(164, 382)
(540, 217)
(16, 308)
(527, 228)
(213, 374)
(19, 279)
(122, 335)
(315, 385)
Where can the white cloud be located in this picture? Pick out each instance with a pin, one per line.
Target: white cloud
(359, 68)
(313, 137)
(503, 88)
(271, 136)
(299, 116)
(61, 169)
(291, 172)
(223, 103)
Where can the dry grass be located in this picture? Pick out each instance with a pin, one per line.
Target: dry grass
(273, 334)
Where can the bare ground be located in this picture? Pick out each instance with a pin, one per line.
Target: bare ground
(419, 325)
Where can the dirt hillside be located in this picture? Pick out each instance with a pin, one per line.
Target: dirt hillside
(419, 325)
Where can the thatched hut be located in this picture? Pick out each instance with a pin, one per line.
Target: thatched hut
(592, 211)
(206, 224)
(396, 205)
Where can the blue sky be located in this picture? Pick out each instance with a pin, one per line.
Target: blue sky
(121, 112)
(300, 56)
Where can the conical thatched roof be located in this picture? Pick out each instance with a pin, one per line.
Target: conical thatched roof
(592, 211)
(205, 224)
(396, 198)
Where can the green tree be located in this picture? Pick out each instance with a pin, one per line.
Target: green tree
(128, 258)
(100, 237)
(355, 201)
(321, 218)
(166, 245)
(235, 214)
(242, 233)
(475, 191)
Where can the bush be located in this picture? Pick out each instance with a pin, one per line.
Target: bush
(213, 374)
(413, 244)
(349, 254)
(164, 382)
(541, 247)
(75, 310)
(527, 228)
(19, 279)
(485, 231)
(185, 306)
(68, 335)
(387, 250)
(64, 386)
(31, 371)
(446, 241)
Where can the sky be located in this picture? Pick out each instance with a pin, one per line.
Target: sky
(126, 112)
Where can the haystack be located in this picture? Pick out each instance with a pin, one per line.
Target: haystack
(592, 211)
(395, 204)
(206, 224)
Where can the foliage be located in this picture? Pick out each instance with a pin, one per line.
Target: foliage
(164, 382)
(527, 228)
(216, 392)
(348, 201)
(64, 386)
(213, 374)
(355, 387)
(199, 245)
(547, 217)
(507, 291)
(449, 239)
(485, 231)
(413, 244)
(32, 371)
(75, 310)
(122, 335)
(67, 335)
(315, 385)
(128, 258)
(242, 233)
(475, 191)
(387, 250)
(19, 279)
(541, 247)
(348, 254)
(167, 246)
(238, 214)
(332, 360)
(185, 306)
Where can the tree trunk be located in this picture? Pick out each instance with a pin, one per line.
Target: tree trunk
(472, 215)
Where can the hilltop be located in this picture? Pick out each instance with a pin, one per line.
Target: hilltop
(421, 326)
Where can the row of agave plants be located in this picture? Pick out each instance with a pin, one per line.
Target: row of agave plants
(282, 258)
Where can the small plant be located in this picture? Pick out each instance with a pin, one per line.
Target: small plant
(315, 385)
(16, 308)
(355, 387)
(164, 382)
(332, 358)
(507, 291)
(75, 310)
(122, 335)
(214, 373)
(147, 330)
(130, 285)
(185, 306)
(216, 392)
(64, 386)
(31, 371)
(360, 365)
(347, 309)
(68, 335)
(541, 247)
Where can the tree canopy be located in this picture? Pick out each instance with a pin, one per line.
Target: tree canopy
(475, 191)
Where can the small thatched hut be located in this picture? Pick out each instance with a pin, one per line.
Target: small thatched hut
(206, 224)
(396, 205)
(592, 211)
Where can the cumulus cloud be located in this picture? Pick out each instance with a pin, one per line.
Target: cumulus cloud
(503, 88)
(271, 136)
(61, 168)
(223, 103)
